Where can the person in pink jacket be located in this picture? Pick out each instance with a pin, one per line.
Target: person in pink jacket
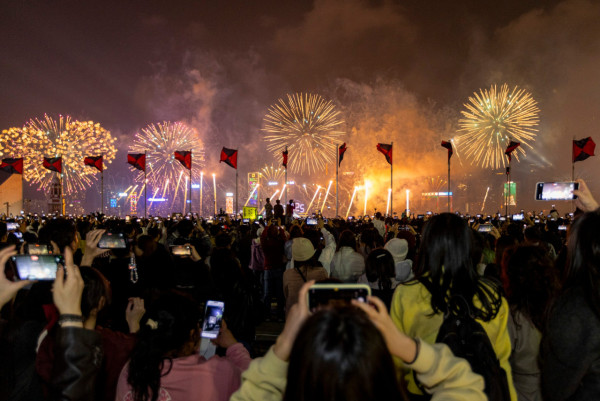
(166, 364)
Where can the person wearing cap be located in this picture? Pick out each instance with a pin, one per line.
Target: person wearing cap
(398, 247)
(306, 268)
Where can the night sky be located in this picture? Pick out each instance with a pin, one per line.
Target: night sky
(218, 65)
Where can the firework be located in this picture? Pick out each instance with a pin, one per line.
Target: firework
(69, 139)
(271, 174)
(309, 126)
(492, 119)
(159, 142)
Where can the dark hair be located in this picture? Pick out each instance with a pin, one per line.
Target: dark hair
(380, 267)
(347, 238)
(95, 287)
(583, 269)
(348, 360)
(60, 230)
(296, 232)
(175, 316)
(446, 268)
(222, 240)
(531, 283)
(185, 228)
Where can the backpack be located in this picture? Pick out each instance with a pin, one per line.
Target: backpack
(467, 339)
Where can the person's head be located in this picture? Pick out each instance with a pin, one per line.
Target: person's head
(583, 269)
(378, 216)
(296, 232)
(278, 201)
(302, 251)
(446, 262)
(268, 200)
(347, 238)
(62, 231)
(223, 240)
(380, 267)
(340, 355)
(170, 330)
(531, 283)
(291, 202)
(185, 228)
(3, 231)
(96, 292)
(398, 248)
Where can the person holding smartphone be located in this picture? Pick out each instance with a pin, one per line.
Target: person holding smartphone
(166, 360)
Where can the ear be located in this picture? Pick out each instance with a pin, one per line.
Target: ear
(101, 303)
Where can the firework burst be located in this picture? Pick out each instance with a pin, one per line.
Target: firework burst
(72, 140)
(492, 119)
(270, 173)
(160, 141)
(309, 126)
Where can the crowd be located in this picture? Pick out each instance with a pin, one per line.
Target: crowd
(124, 322)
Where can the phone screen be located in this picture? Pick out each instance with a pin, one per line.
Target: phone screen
(36, 267)
(485, 228)
(555, 190)
(311, 221)
(212, 319)
(332, 295)
(517, 217)
(112, 241)
(181, 250)
(12, 226)
(38, 249)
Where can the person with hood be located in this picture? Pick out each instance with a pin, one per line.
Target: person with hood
(347, 264)
(398, 247)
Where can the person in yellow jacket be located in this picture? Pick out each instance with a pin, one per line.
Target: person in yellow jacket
(446, 269)
(345, 354)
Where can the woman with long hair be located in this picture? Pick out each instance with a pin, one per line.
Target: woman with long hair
(445, 276)
(380, 275)
(345, 353)
(570, 350)
(530, 283)
(165, 363)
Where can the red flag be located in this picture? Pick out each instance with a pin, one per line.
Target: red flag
(583, 148)
(386, 149)
(53, 164)
(185, 158)
(448, 145)
(94, 161)
(229, 156)
(341, 150)
(11, 165)
(511, 146)
(137, 160)
(285, 158)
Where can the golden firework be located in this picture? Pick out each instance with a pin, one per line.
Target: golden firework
(159, 142)
(70, 139)
(491, 120)
(308, 126)
(270, 173)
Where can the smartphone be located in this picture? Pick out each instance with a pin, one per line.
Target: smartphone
(36, 267)
(213, 316)
(562, 227)
(536, 221)
(38, 249)
(246, 221)
(485, 228)
(502, 218)
(327, 295)
(420, 216)
(181, 250)
(518, 217)
(429, 213)
(311, 221)
(555, 190)
(112, 241)
(10, 226)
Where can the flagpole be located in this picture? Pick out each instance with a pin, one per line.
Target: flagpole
(449, 208)
(507, 188)
(102, 183)
(392, 181)
(572, 171)
(201, 185)
(337, 175)
(286, 180)
(190, 182)
(236, 195)
(145, 187)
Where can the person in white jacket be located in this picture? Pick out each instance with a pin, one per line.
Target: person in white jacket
(398, 247)
(347, 264)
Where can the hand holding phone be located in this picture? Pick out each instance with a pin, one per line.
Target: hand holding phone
(36, 267)
(112, 241)
(556, 190)
(335, 295)
(8, 289)
(213, 316)
(181, 250)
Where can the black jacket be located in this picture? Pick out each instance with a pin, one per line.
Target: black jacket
(78, 357)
